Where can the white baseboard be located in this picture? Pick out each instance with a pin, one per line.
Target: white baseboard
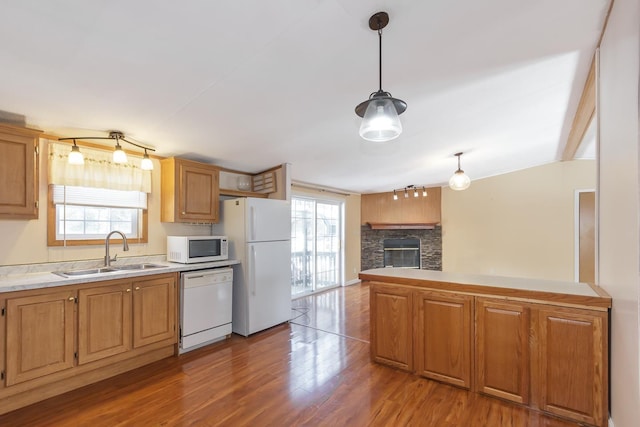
(611, 422)
(352, 282)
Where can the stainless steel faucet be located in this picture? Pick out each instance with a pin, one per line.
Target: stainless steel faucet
(125, 247)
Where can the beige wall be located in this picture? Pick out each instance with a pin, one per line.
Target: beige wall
(618, 204)
(516, 224)
(25, 242)
(351, 227)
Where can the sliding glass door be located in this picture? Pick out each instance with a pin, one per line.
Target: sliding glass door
(316, 236)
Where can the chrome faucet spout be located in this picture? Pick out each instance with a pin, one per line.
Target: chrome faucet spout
(125, 247)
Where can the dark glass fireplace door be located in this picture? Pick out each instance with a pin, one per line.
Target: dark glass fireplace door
(403, 253)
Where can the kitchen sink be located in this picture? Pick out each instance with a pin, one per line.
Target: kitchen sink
(86, 272)
(143, 266)
(112, 269)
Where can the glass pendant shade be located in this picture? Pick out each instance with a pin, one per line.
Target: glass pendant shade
(380, 122)
(459, 181)
(119, 156)
(146, 163)
(75, 156)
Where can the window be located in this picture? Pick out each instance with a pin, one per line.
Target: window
(83, 215)
(316, 250)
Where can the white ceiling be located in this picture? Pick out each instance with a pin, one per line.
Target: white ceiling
(251, 84)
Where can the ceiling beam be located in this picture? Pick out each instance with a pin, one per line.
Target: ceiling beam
(584, 115)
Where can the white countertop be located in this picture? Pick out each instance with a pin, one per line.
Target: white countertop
(18, 278)
(519, 283)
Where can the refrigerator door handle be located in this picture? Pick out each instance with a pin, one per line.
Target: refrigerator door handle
(253, 223)
(252, 266)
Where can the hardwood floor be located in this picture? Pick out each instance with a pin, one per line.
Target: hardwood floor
(314, 371)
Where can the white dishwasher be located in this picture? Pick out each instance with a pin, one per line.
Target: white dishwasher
(205, 314)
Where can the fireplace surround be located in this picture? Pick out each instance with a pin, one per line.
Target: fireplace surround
(372, 246)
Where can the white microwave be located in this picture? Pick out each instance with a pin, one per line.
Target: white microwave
(192, 249)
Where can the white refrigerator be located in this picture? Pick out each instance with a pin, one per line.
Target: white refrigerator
(259, 232)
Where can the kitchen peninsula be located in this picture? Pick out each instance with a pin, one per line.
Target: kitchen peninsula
(540, 343)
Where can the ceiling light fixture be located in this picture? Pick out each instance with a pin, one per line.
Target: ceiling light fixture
(146, 163)
(75, 156)
(119, 156)
(459, 180)
(380, 121)
(406, 190)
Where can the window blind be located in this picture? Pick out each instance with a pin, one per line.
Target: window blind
(86, 196)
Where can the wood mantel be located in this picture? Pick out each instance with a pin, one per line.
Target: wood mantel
(398, 226)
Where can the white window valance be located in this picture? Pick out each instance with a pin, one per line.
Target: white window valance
(98, 170)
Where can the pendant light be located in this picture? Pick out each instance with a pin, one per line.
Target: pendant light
(146, 164)
(119, 156)
(75, 156)
(380, 121)
(459, 180)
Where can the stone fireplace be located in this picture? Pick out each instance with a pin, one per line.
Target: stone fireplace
(373, 253)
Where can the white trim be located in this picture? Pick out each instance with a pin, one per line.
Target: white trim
(352, 282)
(611, 422)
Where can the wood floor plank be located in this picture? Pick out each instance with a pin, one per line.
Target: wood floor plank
(314, 371)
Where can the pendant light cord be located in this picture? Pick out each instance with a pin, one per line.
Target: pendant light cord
(379, 57)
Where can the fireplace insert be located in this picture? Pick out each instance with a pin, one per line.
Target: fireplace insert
(404, 253)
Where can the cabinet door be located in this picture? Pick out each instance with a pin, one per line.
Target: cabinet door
(443, 337)
(198, 195)
(502, 349)
(573, 365)
(104, 322)
(40, 335)
(18, 173)
(391, 325)
(154, 311)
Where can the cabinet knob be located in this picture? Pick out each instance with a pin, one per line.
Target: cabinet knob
(184, 213)
(137, 288)
(71, 298)
(128, 290)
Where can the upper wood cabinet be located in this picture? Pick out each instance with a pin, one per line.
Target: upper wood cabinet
(380, 208)
(18, 172)
(190, 191)
(40, 335)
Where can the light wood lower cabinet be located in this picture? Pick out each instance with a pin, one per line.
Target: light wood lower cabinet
(58, 339)
(573, 364)
(443, 334)
(40, 335)
(502, 349)
(392, 326)
(104, 322)
(154, 311)
(547, 357)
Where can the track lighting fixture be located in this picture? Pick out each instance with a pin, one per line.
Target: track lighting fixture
(416, 192)
(380, 121)
(119, 156)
